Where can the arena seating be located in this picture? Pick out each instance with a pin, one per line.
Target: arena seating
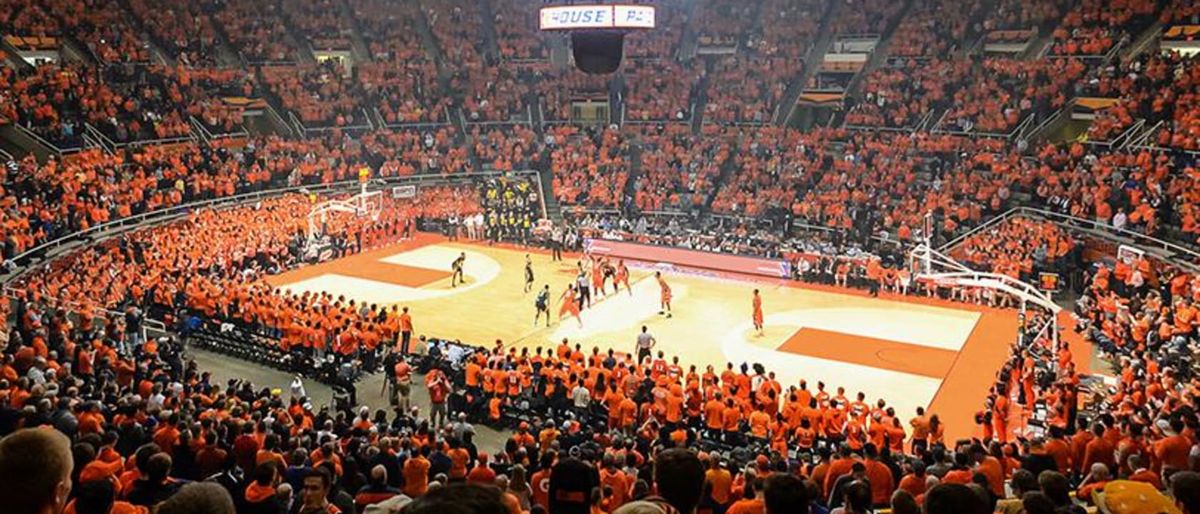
(678, 167)
(590, 167)
(256, 30)
(1093, 28)
(934, 29)
(726, 176)
(321, 22)
(182, 28)
(659, 90)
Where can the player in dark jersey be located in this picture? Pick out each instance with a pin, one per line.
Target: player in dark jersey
(528, 274)
(542, 303)
(457, 268)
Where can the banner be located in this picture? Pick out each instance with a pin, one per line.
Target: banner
(409, 191)
(776, 268)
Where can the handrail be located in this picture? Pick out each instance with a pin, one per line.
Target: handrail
(1044, 123)
(41, 140)
(178, 210)
(367, 116)
(199, 130)
(1069, 221)
(950, 245)
(12, 293)
(1021, 127)
(1142, 138)
(1141, 239)
(284, 121)
(885, 129)
(1124, 136)
(1009, 136)
(296, 124)
(7, 156)
(105, 143)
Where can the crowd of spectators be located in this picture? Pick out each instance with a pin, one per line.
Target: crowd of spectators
(183, 29)
(590, 165)
(24, 18)
(1093, 27)
(321, 22)
(864, 17)
(678, 169)
(935, 29)
(143, 423)
(517, 32)
(1024, 17)
(748, 88)
(1154, 88)
(256, 31)
(1018, 248)
(900, 95)
(1002, 92)
(558, 90)
(321, 95)
(660, 90)
(507, 149)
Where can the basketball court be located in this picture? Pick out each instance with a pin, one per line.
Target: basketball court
(910, 351)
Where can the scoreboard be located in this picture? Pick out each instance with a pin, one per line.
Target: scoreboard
(584, 17)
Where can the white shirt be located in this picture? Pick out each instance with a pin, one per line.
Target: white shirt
(1119, 220)
(297, 388)
(581, 396)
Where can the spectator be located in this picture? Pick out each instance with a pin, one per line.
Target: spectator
(35, 471)
(954, 498)
(198, 498)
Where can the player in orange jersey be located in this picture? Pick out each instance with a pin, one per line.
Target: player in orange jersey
(570, 305)
(758, 314)
(622, 277)
(664, 295)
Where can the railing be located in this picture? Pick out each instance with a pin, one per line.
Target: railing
(199, 130)
(1143, 138)
(207, 137)
(1122, 138)
(11, 294)
(868, 128)
(950, 245)
(105, 143)
(407, 125)
(297, 126)
(1043, 124)
(1012, 134)
(921, 125)
(1141, 240)
(55, 149)
(181, 210)
(6, 156)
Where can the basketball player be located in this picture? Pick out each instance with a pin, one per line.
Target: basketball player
(597, 276)
(528, 274)
(758, 314)
(542, 303)
(621, 276)
(457, 268)
(664, 297)
(609, 273)
(570, 304)
(581, 284)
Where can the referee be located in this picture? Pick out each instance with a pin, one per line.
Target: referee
(645, 342)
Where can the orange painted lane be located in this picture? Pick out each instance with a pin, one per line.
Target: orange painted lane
(868, 351)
